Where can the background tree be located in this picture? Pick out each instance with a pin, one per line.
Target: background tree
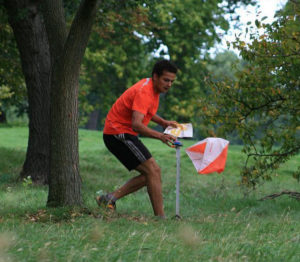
(263, 104)
(116, 56)
(51, 56)
(12, 86)
(133, 40)
(32, 42)
(225, 66)
(188, 30)
(66, 50)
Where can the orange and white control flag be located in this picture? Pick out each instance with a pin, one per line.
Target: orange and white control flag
(209, 155)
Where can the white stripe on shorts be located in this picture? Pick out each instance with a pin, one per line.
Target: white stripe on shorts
(139, 155)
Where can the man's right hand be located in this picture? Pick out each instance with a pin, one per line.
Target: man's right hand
(167, 139)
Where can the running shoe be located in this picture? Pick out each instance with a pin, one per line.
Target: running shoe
(106, 201)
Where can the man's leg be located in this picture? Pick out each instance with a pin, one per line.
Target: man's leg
(151, 177)
(131, 186)
(153, 182)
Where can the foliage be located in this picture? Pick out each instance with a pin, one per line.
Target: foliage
(224, 66)
(12, 86)
(263, 104)
(125, 38)
(128, 38)
(5, 93)
(188, 30)
(27, 182)
(116, 56)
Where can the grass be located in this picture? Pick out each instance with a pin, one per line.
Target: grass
(220, 222)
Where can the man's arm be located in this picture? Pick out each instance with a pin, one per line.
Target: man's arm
(139, 127)
(162, 122)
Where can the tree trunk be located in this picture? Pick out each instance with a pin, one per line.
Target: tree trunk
(92, 123)
(44, 47)
(2, 116)
(65, 181)
(32, 42)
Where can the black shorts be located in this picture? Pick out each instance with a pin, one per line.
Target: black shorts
(130, 151)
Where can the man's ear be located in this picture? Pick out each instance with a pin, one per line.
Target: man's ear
(155, 77)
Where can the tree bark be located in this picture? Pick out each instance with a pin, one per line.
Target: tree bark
(65, 181)
(51, 59)
(32, 42)
(92, 123)
(2, 116)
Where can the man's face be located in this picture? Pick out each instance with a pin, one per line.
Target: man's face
(164, 82)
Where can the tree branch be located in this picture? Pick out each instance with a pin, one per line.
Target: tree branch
(292, 194)
(293, 151)
(79, 34)
(54, 17)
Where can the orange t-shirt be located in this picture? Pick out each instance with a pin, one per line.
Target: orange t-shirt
(140, 97)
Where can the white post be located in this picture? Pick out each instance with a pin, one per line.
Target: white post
(177, 180)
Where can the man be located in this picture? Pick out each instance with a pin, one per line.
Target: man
(128, 117)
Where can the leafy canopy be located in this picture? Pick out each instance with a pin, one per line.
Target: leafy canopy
(12, 85)
(262, 105)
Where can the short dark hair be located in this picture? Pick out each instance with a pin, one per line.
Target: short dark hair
(164, 65)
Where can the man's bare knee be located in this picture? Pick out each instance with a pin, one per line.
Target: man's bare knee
(149, 167)
(154, 177)
(155, 169)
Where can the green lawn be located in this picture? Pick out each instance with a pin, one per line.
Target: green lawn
(220, 221)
